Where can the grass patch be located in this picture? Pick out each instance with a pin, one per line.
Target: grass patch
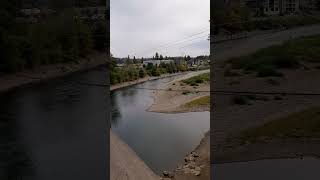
(288, 55)
(203, 101)
(304, 124)
(196, 80)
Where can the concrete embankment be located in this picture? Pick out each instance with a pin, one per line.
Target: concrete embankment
(125, 164)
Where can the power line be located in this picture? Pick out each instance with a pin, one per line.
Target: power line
(193, 43)
(175, 42)
(226, 92)
(222, 92)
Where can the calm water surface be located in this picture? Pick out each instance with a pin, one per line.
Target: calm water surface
(161, 140)
(55, 130)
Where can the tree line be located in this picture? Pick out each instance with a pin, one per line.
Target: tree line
(56, 39)
(133, 71)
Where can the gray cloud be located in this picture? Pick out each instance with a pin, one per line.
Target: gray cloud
(140, 27)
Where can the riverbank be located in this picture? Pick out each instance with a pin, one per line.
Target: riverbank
(125, 163)
(141, 80)
(174, 95)
(196, 164)
(45, 72)
(236, 113)
(171, 99)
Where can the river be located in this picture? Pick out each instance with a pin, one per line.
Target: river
(161, 140)
(55, 129)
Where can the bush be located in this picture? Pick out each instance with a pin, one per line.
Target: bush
(142, 73)
(196, 80)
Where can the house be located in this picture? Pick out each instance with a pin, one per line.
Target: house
(272, 7)
(156, 62)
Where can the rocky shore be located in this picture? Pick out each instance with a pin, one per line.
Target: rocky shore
(196, 164)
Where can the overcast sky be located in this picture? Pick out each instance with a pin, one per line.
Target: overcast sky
(170, 27)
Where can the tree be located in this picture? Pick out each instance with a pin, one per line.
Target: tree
(157, 56)
(161, 57)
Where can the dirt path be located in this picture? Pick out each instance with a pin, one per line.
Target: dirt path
(125, 164)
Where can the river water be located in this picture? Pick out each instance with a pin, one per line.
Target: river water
(55, 129)
(161, 140)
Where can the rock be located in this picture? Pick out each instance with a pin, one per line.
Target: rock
(197, 173)
(187, 171)
(195, 154)
(165, 178)
(197, 168)
(189, 158)
(167, 174)
(192, 165)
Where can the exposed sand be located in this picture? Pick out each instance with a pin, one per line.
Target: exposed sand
(138, 81)
(172, 101)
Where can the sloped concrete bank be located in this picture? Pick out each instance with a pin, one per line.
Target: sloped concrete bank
(125, 163)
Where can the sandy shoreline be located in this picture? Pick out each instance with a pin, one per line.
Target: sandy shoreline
(139, 81)
(45, 72)
(171, 101)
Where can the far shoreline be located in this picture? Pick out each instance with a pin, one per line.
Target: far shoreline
(47, 72)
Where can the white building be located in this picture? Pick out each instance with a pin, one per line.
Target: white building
(156, 62)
